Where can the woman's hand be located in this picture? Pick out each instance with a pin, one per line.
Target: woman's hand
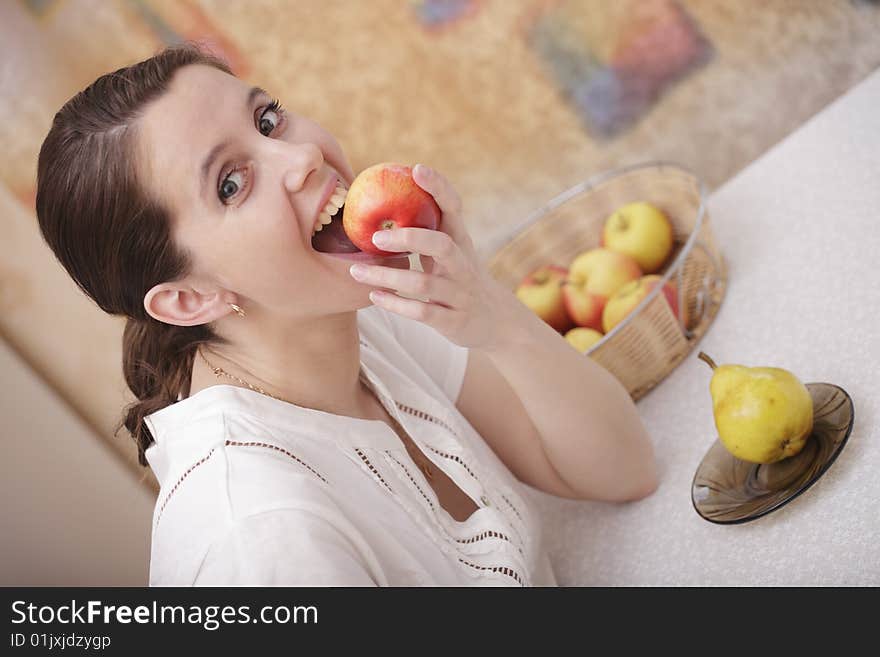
(612, 461)
(464, 302)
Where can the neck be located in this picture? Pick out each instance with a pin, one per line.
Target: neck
(312, 363)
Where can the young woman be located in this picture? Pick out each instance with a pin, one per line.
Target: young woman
(304, 430)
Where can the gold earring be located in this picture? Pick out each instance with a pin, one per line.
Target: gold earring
(238, 310)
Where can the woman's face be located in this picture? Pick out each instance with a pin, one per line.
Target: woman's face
(245, 183)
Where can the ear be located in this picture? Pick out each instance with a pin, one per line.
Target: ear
(180, 303)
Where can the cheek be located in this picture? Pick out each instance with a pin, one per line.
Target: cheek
(264, 243)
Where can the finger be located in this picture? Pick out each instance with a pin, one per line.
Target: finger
(427, 264)
(412, 283)
(439, 187)
(447, 198)
(437, 244)
(427, 313)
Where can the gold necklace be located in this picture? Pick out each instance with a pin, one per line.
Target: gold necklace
(417, 457)
(219, 371)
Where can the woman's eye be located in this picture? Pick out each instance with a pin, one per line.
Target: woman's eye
(270, 118)
(231, 185)
(267, 122)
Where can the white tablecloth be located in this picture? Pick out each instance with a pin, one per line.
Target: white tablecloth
(800, 230)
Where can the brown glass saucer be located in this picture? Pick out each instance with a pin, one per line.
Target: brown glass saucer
(727, 490)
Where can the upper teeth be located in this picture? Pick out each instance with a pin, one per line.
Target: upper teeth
(336, 201)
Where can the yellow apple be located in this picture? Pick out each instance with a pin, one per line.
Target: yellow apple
(583, 338)
(630, 295)
(594, 276)
(642, 232)
(541, 291)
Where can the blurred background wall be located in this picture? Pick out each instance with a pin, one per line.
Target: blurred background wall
(514, 100)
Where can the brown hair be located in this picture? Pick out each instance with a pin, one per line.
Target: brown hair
(111, 236)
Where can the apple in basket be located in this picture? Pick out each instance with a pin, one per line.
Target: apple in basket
(630, 295)
(582, 338)
(385, 196)
(642, 231)
(593, 277)
(541, 291)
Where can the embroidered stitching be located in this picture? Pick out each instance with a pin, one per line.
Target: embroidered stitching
(406, 470)
(490, 533)
(455, 458)
(373, 469)
(431, 418)
(235, 443)
(180, 481)
(504, 570)
(425, 416)
(464, 541)
(510, 504)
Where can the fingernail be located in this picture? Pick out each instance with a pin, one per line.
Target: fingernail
(425, 172)
(357, 271)
(382, 238)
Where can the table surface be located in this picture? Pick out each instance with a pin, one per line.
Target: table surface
(799, 231)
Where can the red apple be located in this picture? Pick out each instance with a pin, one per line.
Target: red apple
(594, 276)
(624, 301)
(385, 196)
(541, 291)
(584, 308)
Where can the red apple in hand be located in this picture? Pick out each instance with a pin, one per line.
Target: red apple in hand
(385, 196)
(541, 291)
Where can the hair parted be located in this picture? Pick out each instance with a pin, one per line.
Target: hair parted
(111, 235)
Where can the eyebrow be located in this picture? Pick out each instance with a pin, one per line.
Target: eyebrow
(223, 145)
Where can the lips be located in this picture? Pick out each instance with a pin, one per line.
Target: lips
(334, 243)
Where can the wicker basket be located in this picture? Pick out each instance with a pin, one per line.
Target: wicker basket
(650, 342)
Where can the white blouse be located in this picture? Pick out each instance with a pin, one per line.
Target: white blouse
(260, 492)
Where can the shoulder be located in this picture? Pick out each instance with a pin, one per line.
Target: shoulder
(284, 523)
(249, 515)
(234, 468)
(267, 471)
(303, 545)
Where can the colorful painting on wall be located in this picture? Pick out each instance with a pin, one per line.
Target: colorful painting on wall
(435, 15)
(613, 64)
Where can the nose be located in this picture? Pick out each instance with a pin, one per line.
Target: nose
(300, 160)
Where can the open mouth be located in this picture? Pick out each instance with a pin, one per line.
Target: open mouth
(331, 237)
(332, 241)
(328, 235)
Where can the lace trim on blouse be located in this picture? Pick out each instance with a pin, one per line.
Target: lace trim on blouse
(233, 443)
(374, 472)
(180, 481)
(476, 538)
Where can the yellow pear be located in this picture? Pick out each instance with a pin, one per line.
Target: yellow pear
(763, 414)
